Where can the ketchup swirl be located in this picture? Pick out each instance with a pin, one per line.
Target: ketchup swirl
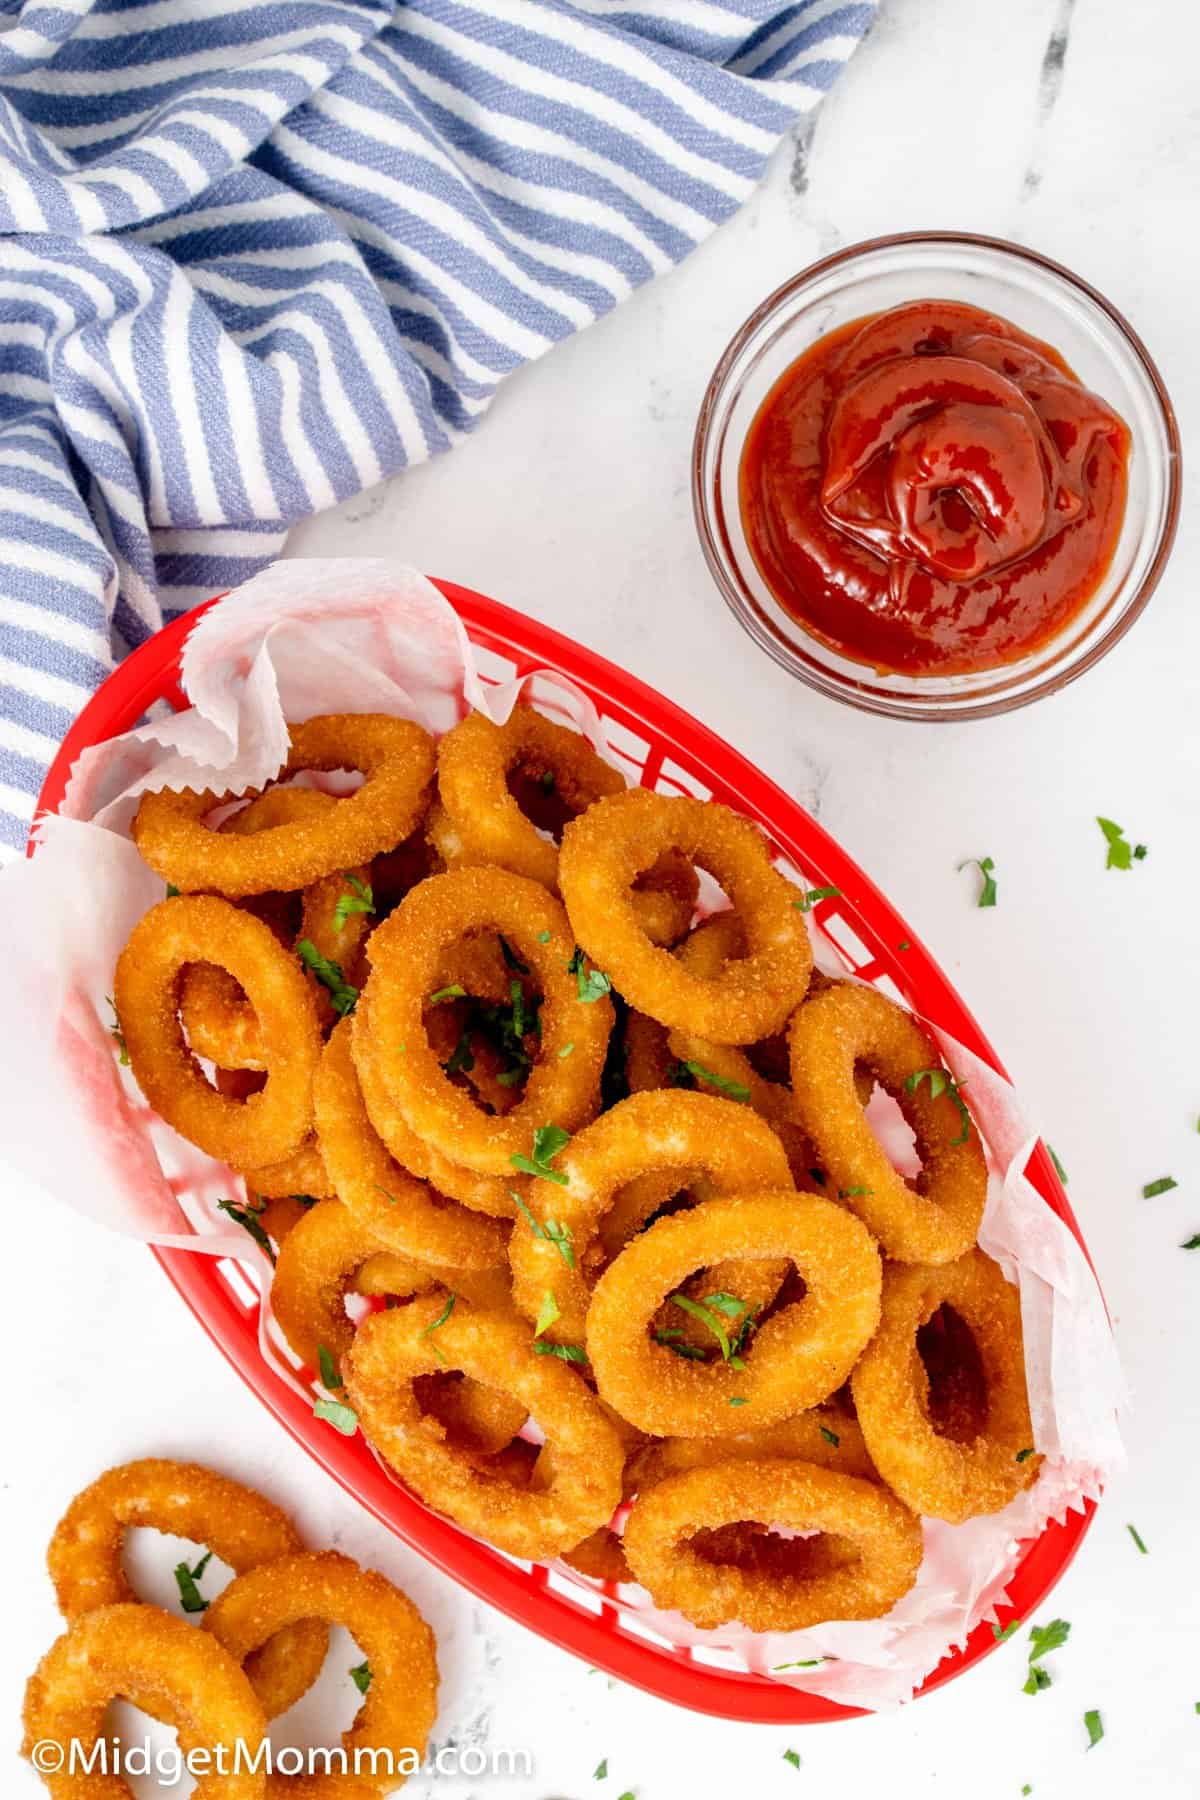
(932, 492)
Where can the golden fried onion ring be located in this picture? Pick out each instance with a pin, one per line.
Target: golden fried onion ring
(404, 1214)
(794, 1360)
(270, 1124)
(667, 1132)
(602, 854)
(237, 1524)
(934, 1220)
(392, 1349)
(400, 1705)
(406, 954)
(480, 821)
(861, 1517)
(217, 1016)
(165, 1667)
(934, 1473)
(396, 758)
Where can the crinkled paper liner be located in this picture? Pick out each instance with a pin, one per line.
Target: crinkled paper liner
(310, 637)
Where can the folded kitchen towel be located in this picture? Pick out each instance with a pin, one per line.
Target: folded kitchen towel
(256, 255)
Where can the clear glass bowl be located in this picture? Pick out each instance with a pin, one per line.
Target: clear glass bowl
(1042, 298)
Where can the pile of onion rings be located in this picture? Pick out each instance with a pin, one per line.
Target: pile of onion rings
(261, 1645)
(573, 1200)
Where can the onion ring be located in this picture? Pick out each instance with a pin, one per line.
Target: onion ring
(861, 1515)
(320, 1262)
(185, 1500)
(400, 1705)
(163, 1666)
(665, 1132)
(480, 821)
(563, 1087)
(396, 758)
(391, 1349)
(824, 1435)
(796, 1358)
(271, 1124)
(934, 1220)
(602, 854)
(404, 1214)
(219, 1020)
(933, 1472)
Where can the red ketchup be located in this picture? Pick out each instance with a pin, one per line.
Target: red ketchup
(932, 492)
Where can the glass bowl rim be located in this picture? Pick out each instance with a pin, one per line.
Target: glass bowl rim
(930, 709)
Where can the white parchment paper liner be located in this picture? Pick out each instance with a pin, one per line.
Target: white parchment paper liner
(304, 638)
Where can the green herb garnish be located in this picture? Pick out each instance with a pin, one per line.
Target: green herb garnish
(810, 1662)
(510, 956)
(172, 891)
(342, 993)
(191, 1599)
(1058, 1168)
(738, 1400)
(1002, 1633)
(674, 1341)
(810, 896)
(1042, 1640)
(1024, 1455)
(358, 899)
(566, 1050)
(362, 1677)
(831, 1437)
(600, 1773)
(590, 984)
(249, 1218)
(709, 1319)
(853, 1193)
(1138, 1539)
(543, 937)
(462, 1057)
(1121, 854)
(572, 1353)
(548, 1140)
(1095, 1727)
(941, 1082)
(735, 1090)
(793, 1757)
(549, 1312)
(115, 1032)
(438, 1322)
(1192, 1243)
(552, 1231)
(329, 1369)
(985, 865)
(454, 992)
(343, 1418)
(1163, 1185)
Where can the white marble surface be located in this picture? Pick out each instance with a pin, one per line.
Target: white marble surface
(571, 502)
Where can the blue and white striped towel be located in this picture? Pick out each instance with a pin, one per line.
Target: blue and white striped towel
(256, 255)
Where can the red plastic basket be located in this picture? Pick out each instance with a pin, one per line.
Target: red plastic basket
(664, 748)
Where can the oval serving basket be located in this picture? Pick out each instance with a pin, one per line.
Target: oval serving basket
(661, 747)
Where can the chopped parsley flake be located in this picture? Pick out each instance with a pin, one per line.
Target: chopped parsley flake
(600, 1773)
(552, 1231)
(438, 1322)
(708, 1318)
(115, 1032)
(566, 1050)
(831, 1437)
(342, 993)
(329, 1369)
(1024, 1455)
(590, 984)
(738, 1400)
(1042, 1640)
(1138, 1539)
(941, 1082)
(1002, 1633)
(549, 1312)
(249, 1218)
(793, 1757)
(1163, 1185)
(1121, 854)
(735, 1090)
(454, 992)
(810, 896)
(358, 899)
(343, 1418)
(1058, 1168)
(572, 1353)
(810, 1662)
(1192, 1243)
(361, 1676)
(190, 1597)
(548, 1140)
(1094, 1726)
(985, 865)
